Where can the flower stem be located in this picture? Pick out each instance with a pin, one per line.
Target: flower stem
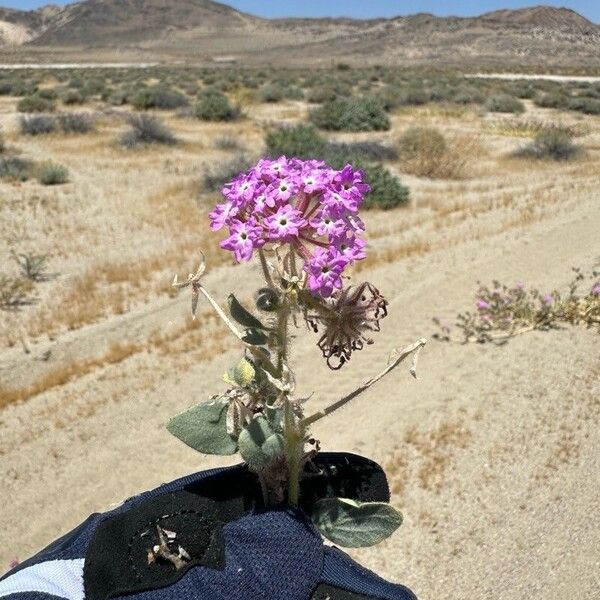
(292, 434)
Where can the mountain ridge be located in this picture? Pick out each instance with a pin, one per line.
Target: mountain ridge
(203, 29)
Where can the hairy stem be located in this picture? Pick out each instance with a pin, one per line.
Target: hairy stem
(265, 268)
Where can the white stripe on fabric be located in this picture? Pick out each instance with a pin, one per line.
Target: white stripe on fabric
(62, 578)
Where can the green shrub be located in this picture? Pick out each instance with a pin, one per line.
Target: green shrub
(467, 95)
(588, 106)
(146, 129)
(72, 97)
(553, 142)
(48, 94)
(551, 100)
(305, 142)
(322, 93)
(214, 106)
(387, 191)
(15, 168)
(52, 174)
(38, 124)
(31, 104)
(354, 114)
(302, 141)
(270, 92)
(117, 98)
(75, 122)
(158, 97)
(23, 87)
(504, 103)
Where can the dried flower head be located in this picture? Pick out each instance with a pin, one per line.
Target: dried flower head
(347, 321)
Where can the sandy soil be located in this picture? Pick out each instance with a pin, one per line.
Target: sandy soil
(493, 453)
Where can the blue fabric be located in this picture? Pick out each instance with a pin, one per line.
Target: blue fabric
(276, 555)
(271, 555)
(341, 571)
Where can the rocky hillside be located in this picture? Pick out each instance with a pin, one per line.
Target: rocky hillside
(204, 30)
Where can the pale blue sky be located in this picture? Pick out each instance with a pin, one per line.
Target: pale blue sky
(372, 8)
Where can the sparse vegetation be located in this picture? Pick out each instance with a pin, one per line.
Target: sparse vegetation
(214, 106)
(33, 266)
(424, 151)
(354, 114)
(38, 124)
(52, 174)
(158, 97)
(504, 103)
(551, 142)
(35, 104)
(146, 129)
(14, 168)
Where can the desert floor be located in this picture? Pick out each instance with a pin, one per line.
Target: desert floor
(493, 452)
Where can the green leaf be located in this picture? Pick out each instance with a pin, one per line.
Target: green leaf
(241, 375)
(204, 428)
(353, 524)
(254, 337)
(241, 315)
(259, 444)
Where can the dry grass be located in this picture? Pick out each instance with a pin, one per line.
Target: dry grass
(63, 374)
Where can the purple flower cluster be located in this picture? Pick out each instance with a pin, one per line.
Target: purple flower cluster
(304, 203)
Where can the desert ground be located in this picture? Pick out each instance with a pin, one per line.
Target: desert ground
(492, 453)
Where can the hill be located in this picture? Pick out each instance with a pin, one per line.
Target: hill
(203, 30)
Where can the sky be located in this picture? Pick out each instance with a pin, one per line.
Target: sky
(371, 8)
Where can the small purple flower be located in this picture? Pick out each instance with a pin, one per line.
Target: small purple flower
(243, 239)
(350, 184)
(325, 224)
(280, 191)
(221, 215)
(547, 299)
(596, 289)
(351, 248)
(285, 224)
(482, 304)
(324, 272)
(520, 285)
(13, 562)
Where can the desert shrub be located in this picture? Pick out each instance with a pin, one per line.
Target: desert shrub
(31, 104)
(70, 96)
(421, 150)
(38, 124)
(553, 142)
(5, 87)
(524, 91)
(146, 129)
(354, 114)
(157, 97)
(322, 93)
(214, 106)
(48, 94)
(387, 191)
(270, 92)
(467, 95)
(33, 266)
(218, 175)
(52, 174)
(93, 87)
(75, 122)
(117, 98)
(551, 100)
(23, 87)
(504, 103)
(365, 150)
(14, 292)
(425, 152)
(588, 106)
(303, 141)
(229, 143)
(15, 168)
(413, 96)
